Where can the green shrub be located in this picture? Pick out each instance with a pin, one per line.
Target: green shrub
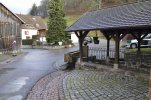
(34, 37)
(27, 42)
(39, 43)
(143, 50)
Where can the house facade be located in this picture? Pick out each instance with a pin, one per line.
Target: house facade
(10, 29)
(34, 25)
(74, 38)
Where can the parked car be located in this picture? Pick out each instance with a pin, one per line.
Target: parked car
(88, 39)
(134, 43)
(146, 42)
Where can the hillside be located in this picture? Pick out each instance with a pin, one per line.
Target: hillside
(78, 7)
(75, 8)
(81, 6)
(69, 18)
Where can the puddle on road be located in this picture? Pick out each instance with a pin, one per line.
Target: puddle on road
(5, 70)
(18, 97)
(15, 85)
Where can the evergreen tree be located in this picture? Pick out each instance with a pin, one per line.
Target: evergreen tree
(34, 10)
(56, 22)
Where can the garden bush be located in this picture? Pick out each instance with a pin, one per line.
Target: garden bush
(27, 42)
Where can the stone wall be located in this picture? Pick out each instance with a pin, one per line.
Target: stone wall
(138, 61)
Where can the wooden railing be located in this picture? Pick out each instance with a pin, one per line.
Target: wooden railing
(100, 53)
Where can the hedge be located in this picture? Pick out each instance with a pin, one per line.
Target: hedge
(27, 42)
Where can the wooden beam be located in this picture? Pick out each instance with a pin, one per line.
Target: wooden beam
(139, 39)
(114, 36)
(77, 34)
(135, 36)
(122, 36)
(107, 35)
(144, 36)
(84, 34)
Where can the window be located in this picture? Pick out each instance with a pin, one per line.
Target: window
(26, 33)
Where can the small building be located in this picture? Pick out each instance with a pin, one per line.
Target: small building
(116, 22)
(10, 27)
(34, 25)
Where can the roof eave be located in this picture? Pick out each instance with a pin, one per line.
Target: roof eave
(114, 28)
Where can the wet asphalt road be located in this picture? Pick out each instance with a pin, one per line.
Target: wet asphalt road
(18, 77)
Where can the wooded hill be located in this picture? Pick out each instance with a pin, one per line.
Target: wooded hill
(78, 7)
(81, 6)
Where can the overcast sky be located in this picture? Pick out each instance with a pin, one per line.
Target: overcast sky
(20, 6)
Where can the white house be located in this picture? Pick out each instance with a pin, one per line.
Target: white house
(34, 25)
(28, 33)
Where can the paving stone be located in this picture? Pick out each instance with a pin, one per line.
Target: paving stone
(107, 83)
(89, 85)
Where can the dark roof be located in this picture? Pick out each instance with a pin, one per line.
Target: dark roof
(32, 22)
(134, 15)
(11, 13)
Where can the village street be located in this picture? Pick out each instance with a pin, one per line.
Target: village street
(18, 77)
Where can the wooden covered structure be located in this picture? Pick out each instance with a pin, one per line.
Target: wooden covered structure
(115, 22)
(10, 29)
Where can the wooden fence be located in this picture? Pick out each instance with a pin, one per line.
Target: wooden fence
(8, 33)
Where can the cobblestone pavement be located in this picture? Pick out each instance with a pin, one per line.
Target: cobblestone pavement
(47, 88)
(90, 85)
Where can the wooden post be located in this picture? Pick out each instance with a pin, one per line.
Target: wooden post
(108, 38)
(108, 47)
(139, 43)
(117, 37)
(81, 35)
(117, 44)
(80, 46)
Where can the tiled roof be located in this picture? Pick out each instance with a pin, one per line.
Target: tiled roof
(125, 16)
(32, 22)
